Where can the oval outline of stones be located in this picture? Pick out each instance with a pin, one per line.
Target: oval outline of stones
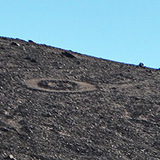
(83, 86)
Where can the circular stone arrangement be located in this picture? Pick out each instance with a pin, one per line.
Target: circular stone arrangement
(58, 85)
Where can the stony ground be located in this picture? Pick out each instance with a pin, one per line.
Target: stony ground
(61, 105)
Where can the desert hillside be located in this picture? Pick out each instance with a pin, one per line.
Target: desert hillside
(61, 105)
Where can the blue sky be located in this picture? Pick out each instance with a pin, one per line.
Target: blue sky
(121, 30)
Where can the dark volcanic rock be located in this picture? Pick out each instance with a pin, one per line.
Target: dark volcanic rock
(58, 107)
(14, 44)
(141, 64)
(67, 54)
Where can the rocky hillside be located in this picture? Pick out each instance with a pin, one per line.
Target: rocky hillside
(61, 105)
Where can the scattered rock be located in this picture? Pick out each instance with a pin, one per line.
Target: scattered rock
(30, 41)
(47, 114)
(15, 44)
(67, 54)
(10, 157)
(30, 59)
(78, 62)
(24, 48)
(141, 64)
(33, 60)
(27, 58)
(4, 129)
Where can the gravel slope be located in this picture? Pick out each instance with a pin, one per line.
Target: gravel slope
(61, 105)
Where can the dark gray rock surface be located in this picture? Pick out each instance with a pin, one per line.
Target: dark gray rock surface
(61, 105)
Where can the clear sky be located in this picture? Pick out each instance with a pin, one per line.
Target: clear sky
(121, 30)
